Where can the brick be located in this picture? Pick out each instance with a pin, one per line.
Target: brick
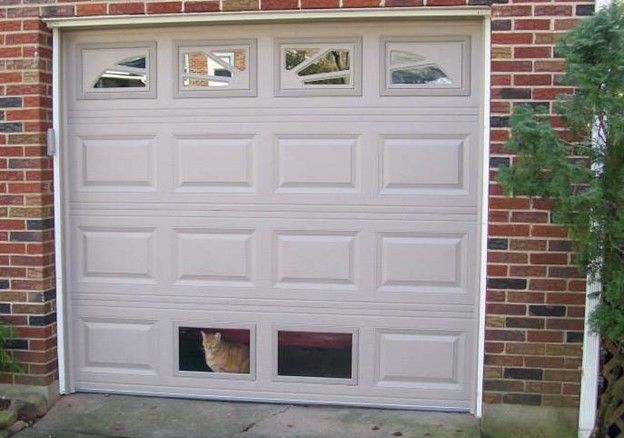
(585, 10)
(164, 7)
(565, 324)
(527, 244)
(556, 66)
(525, 348)
(574, 337)
(545, 336)
(523, 399)
(572, 350)
(42, 320)
(508, 230)
(507, 257)
(511, 66)
(543, 362)
(544, 387)
(532, 24)
(503, 360)
(358, 3)
(565, 272)
(526, 297)
(507, 283)
(516, 93)
(512, 38)
(536, 310)
(91, 9)
(504, 335)
(126, 8)
(562, 376)
(498, 243)
(549, 259)
(547, 284)
(555, 10)
(565, 298)
(397, 3)
(240, 5)
(532, 323)
(532, 52)
(201, 6)
(524, 373)
(503, 385)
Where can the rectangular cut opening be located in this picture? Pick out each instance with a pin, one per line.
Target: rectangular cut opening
(214, 350)
(315, 354)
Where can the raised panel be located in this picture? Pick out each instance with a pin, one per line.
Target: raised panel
(412, 165)
(317, 164)
(118, 163)
(418, 263)
(215, 164)
(118, 346)
(118, 255)
(310, 260)
(217, 257)
(410, 358)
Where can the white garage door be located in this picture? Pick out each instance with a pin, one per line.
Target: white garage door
(276, 212)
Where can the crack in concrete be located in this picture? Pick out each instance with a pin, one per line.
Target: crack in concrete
(91, 433)
(274, 414)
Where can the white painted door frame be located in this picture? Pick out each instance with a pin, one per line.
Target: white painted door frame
(60, 24)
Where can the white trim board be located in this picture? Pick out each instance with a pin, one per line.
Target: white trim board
(264, 16)
(485, 167)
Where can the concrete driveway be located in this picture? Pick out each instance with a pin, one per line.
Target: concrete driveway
(97, 415)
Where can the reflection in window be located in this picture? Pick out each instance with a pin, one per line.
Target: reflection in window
(294, 57)
(128, 73)
(411, 68)
(422, 75)
(218, 350)
(304, 67)
(213, 68)
(314, 354)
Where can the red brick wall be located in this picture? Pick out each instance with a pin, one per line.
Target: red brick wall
(535, 299)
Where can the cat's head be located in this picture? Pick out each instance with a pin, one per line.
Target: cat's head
(210, 341)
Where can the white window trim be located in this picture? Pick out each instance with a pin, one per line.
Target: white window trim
(355, 71)
(252, 68)
(147, 92)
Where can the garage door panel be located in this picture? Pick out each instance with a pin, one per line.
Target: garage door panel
(400, 359)
(424, 165)
(321, 260)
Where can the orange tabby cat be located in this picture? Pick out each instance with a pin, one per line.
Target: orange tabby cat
(225, 357)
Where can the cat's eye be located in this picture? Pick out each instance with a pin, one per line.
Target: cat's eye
(224, 350)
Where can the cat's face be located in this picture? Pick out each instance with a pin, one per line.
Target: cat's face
(211, 341)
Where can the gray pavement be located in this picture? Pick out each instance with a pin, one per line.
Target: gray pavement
(102, 416)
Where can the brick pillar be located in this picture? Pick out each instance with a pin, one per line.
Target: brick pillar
(27, 295)
(535, 298)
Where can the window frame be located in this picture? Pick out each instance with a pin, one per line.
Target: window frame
(354, 89)
(202, 324)
(180, 93)
(147, 92)
(462, 88)
(355, 353)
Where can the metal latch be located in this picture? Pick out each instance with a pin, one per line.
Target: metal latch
(51, 141)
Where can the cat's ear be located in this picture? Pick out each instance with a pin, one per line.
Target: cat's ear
(217, 336)
(203, 335)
